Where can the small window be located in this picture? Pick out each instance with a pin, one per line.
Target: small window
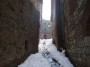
(45, 23)
(45, 29)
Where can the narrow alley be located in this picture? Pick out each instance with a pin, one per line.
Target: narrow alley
(44, 33)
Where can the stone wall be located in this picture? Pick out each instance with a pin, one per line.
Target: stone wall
(53, 20)
(19, 30)
(57, 23)
(71, 29)
(77, 30)
(45, 29)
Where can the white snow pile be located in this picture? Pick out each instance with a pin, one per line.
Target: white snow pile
(44, 58)
(35, 60)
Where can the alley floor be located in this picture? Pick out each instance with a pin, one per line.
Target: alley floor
(47, 56)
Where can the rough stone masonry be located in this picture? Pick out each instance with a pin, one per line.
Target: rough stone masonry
(76, 25)
(19, 30)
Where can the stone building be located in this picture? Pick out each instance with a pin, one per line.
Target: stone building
(45, 29)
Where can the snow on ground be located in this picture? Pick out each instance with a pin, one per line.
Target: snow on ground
(35, 60)
(60, 57)
(44, 44)
(44, 58)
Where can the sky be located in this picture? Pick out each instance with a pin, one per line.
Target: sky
(46, 11)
